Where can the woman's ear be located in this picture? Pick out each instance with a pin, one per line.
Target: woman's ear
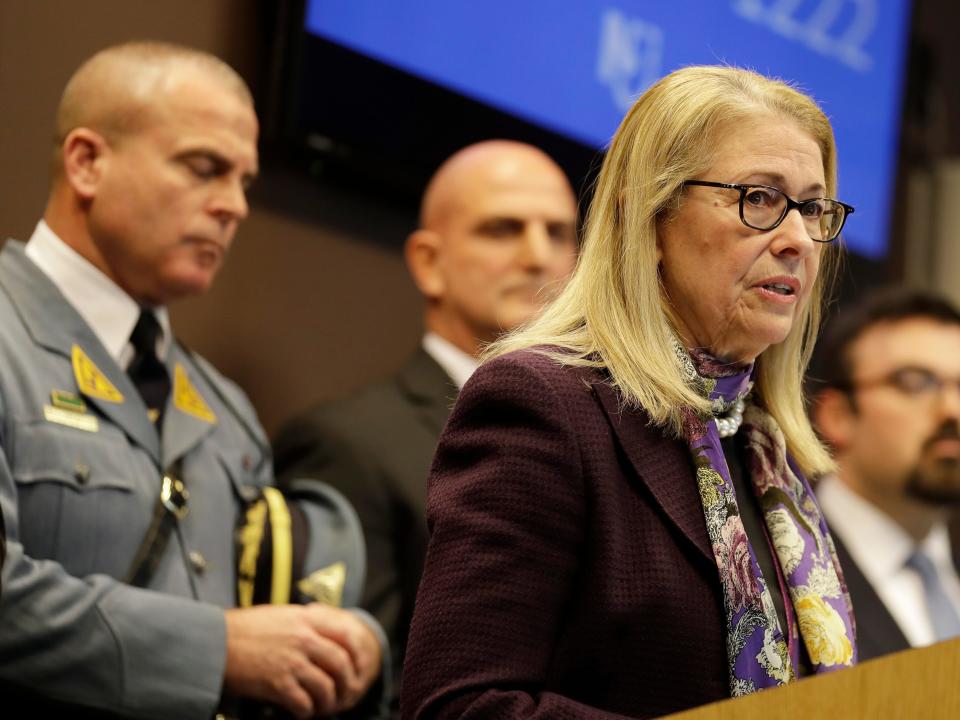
(665, 215)
(660, 229)
(85, 153)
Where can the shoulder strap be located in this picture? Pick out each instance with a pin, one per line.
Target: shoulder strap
(171, 507)
(172, 502)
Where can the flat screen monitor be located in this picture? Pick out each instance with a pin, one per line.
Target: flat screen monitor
(574, 68)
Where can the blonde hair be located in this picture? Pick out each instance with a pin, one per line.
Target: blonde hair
(615, 314)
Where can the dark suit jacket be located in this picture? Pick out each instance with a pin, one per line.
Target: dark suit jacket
(877, 632)
(3, 548)
(376, 448)
(569, 573)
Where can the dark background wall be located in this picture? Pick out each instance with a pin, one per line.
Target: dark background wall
(315, 299)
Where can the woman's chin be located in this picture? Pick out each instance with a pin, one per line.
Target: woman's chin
(737, 356)
(749, 346)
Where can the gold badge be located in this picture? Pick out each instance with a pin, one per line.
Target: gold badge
(91, 380)
(326, 584)
(187, 399)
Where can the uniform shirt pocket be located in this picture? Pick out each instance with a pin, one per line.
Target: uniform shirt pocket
(241, 466)
(78, 496)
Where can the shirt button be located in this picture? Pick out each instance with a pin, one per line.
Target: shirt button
(81, 472)
(198, 561)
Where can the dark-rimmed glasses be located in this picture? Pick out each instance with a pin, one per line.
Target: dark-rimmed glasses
(763, 207)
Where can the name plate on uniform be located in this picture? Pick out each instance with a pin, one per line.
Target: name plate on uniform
(71, 418)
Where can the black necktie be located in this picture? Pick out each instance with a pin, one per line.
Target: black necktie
(149, 375)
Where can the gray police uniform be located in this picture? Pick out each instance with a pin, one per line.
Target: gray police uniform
(80, 474)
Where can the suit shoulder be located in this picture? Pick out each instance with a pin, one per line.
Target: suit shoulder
(231, 395)
(366, 420)
(379, 400)
(220, 382)
(537, 365)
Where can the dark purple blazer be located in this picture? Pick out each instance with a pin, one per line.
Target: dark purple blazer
(569, 573)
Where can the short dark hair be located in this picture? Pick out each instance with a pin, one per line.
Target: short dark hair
(832, 367)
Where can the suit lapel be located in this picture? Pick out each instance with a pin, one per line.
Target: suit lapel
(190, 414)
(877, 631)
(657, 461)
(429, 389)
(55, 325)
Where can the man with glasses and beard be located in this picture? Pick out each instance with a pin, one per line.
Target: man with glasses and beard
(887, 400)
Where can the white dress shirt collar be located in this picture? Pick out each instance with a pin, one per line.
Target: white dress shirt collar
(106, 308)
(880, 548)
(454, 361)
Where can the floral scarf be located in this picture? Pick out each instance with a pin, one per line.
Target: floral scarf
(759, 653)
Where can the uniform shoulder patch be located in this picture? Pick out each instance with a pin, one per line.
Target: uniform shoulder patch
(91, 380)
(188, 399)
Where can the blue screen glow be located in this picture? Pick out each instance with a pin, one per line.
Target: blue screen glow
(576, 67)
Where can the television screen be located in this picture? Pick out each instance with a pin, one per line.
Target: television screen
(574, 68)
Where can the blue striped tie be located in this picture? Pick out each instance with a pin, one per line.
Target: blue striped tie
(943, 614)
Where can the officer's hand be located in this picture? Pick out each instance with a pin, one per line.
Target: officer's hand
(311, 660)
(353, 635)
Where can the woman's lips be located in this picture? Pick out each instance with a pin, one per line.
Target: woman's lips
(784, 289)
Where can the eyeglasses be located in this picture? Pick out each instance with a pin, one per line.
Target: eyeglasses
(914, 382)
(763, 207)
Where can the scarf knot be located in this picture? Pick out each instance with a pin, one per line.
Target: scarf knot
(723, 384)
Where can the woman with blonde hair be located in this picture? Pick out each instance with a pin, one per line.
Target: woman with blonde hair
(621, 524)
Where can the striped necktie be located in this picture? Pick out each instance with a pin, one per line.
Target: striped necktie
(943, 614)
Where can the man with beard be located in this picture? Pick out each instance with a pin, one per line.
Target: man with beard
(497, 239)
(889, 405)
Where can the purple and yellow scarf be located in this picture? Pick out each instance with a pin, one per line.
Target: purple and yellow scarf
(760, 654)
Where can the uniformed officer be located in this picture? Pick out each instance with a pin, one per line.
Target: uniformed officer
(126, 462)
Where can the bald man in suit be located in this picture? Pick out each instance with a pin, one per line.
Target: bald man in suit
(497, 239)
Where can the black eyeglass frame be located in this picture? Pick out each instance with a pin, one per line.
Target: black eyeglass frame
(791, 204)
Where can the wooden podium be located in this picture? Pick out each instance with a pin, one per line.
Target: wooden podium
(921, 683)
